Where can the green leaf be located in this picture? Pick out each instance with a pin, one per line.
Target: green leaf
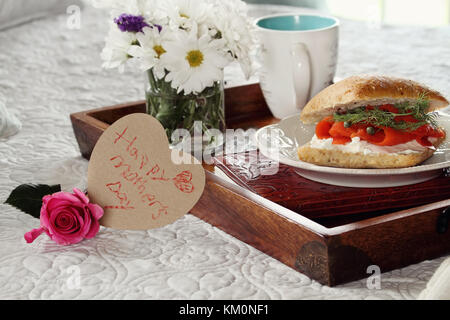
(28, 197)
(382, 118)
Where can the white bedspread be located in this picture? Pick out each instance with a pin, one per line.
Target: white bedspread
(48, 72)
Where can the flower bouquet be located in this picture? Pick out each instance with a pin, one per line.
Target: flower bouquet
(183, 46)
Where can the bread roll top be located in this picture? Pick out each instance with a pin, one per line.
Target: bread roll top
(358, 91)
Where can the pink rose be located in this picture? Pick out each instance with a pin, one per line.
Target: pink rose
(67, 218)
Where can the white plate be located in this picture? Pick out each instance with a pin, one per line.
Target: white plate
(280, 142)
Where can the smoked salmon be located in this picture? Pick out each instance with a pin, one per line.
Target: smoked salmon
(382, 136)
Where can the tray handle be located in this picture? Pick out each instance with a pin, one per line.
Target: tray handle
(443, 221)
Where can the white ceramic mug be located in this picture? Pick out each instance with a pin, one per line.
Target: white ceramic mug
(298, 59)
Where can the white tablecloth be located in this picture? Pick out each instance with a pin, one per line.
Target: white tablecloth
(48, 71)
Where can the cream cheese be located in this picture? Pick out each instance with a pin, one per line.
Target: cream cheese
(360, 146)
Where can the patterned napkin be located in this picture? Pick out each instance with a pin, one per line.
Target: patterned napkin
(439, 286)
(9, 124)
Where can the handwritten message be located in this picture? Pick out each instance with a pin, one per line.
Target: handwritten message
(132, 177)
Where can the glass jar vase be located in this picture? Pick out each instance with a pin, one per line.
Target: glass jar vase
(179, 111)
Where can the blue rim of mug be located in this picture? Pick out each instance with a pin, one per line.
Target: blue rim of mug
(334, 25)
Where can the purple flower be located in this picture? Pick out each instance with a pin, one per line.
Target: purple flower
(130, 23)
(158, 26)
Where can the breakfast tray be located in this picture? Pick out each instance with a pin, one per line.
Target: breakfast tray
(318, 231)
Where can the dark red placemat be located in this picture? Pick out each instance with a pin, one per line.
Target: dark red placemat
(281, 184)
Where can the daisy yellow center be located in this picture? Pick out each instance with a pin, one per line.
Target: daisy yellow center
(183, 15)
(159, 50)
(195, 58)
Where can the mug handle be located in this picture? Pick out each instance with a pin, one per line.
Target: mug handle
(301, 73)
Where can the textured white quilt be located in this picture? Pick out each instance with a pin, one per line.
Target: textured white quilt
(15, 12)
(48, 72)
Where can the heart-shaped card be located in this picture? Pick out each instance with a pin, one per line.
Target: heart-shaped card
(140, 183)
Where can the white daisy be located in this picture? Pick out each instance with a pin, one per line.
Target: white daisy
(194, 63)
(154, 12)
(151, 10)
(239, 43)
(115, 54)
(185, 13)
(136, 7)
(150, 49)
(237, 30)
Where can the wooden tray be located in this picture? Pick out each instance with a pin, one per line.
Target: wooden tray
(330, 249)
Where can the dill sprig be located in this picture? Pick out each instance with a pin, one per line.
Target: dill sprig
(382, 118)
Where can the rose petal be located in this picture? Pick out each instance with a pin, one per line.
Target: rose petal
(53, 227)
(80, 220)
(45, 199)
(95, 228)
(86, 227)
(65, 241)
(33, 234)
(77, 220)
(44, 215)
(81, 196)
(66, 237)
(53, 215)
(65, 196)
(96, 211)
(54, 203)
(65, 222)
